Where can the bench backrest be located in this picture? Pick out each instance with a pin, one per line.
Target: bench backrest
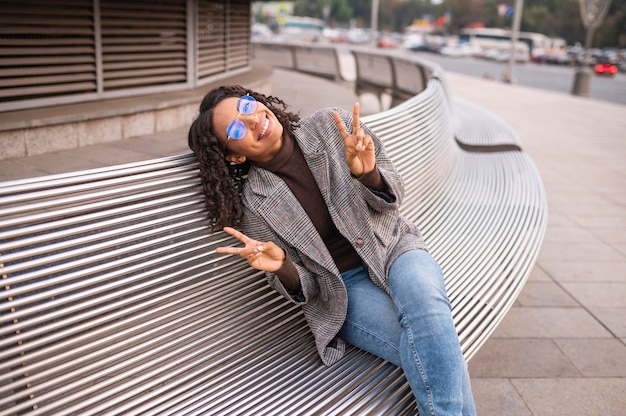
(318, 60)
(387, 73)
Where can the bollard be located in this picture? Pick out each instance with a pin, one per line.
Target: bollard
(582, 80)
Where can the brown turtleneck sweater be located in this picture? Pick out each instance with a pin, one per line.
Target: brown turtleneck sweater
(289, 164)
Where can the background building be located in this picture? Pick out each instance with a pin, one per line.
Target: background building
(132, 67)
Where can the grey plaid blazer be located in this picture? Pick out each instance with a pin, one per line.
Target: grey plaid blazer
(374, 226)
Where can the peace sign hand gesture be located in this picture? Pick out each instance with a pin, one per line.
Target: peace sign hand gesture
(359, 146)
(262, 256)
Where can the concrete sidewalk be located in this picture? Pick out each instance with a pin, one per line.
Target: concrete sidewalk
(561, 349)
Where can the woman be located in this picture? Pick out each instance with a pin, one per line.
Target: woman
(318, 206)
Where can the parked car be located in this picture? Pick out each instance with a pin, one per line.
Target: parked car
(385, 42)
(461, 50)
(359, 36)
(605, 69)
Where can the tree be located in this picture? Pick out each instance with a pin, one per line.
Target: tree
(339, 10)
(555, 18)
(613, 30)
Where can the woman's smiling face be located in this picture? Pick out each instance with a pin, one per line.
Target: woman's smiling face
(264, 133)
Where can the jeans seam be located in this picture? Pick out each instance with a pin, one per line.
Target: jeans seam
(383, 340)
(416, 359)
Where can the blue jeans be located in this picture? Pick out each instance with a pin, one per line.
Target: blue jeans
(412, 329)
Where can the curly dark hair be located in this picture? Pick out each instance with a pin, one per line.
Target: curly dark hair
(222, 181)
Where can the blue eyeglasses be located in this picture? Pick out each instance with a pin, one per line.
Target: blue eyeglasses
(237, 129)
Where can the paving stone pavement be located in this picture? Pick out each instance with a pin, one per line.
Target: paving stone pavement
(561, 350)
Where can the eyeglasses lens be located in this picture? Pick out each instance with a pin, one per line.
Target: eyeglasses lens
(237, 129)
(247, 105)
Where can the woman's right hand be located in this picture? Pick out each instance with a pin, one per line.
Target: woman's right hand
(265, 256)
(360, 151)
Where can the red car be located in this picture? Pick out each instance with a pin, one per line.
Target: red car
(605, 68)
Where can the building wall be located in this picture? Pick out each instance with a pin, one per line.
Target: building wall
(61, 51)
(79, 72)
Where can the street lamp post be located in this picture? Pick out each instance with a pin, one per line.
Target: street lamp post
(374, 20)
(592, 13)
(517, 20)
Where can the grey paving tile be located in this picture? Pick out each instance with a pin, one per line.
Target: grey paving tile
(569, 234)
(574, 397)
(549, 322)
(106, 155)
(544, 294)
(11, 169)
(497, 397)
(601, 221)
(613, 318)
(585, 271)
(61, 162)
(611, 235)
(505, 358)
(596, 357)
(578, 252)
(609, 295)
(584, 204)
(617, 195)
(300, 86)
(538, 275)
(158, 145)
(556, 219)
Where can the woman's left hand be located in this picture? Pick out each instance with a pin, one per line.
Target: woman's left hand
(359, 146)
(265, 256)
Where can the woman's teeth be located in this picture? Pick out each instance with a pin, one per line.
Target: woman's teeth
(265, 127)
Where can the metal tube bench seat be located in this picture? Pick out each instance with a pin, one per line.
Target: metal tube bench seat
(114, 301)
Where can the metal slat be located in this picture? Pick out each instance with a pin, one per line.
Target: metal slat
(47, 89)
(55, 196)
(24, 187)
(75, 78)
(55, 69)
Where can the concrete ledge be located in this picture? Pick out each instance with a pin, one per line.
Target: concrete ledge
(42, 130)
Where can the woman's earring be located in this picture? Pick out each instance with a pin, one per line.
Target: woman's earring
(236, 159)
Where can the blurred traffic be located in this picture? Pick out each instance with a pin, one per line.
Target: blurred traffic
(491, 44)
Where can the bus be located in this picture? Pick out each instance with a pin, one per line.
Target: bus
(537, 44)
(300, 28)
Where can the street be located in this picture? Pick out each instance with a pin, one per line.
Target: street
(543, 76)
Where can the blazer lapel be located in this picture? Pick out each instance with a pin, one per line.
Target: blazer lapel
(338, 195)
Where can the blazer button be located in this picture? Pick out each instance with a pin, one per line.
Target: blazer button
(359, 242)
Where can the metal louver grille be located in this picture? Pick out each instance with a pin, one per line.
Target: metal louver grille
(67, 51)
(143, 43)
(238, 34)
(211, 38)
(46, 50)
(223, 36)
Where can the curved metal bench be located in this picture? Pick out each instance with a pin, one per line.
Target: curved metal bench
(115, 301)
